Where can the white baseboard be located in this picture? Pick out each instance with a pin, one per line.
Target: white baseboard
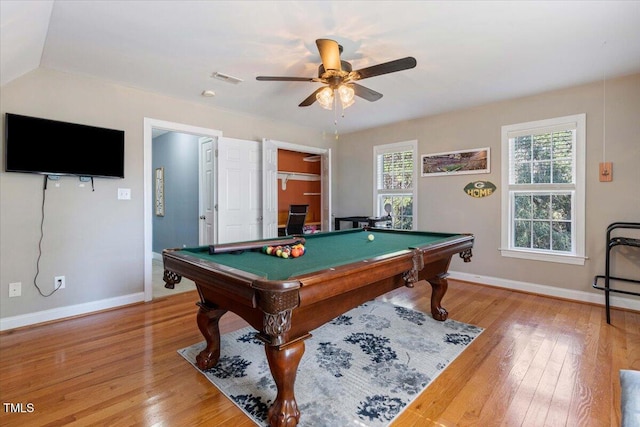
(69, 311)
(551, 291)
(78, 309)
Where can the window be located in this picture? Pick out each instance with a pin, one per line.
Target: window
(543, 190)
(395, 183)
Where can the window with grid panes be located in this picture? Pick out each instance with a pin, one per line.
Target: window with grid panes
(395, 183)
(543, 200)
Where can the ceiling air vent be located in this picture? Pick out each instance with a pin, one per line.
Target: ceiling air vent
(226, 78)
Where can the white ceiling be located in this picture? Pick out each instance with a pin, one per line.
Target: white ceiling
(468, 52)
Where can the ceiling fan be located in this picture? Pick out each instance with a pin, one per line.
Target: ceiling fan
(338, 76)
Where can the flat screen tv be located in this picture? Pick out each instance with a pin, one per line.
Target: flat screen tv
(50, 147)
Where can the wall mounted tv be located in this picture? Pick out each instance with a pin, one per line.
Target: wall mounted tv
(50, 147)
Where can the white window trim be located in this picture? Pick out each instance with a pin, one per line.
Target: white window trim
(578, 256)
(390, 148)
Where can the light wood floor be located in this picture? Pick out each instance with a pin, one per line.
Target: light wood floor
(539, 362)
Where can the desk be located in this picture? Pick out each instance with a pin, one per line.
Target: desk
(286, 299)
(313, 225)
(356, 221)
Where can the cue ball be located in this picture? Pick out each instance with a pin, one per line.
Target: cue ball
(370, 237)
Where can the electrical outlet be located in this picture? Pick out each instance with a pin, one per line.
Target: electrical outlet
(15, 289)
(58, 282)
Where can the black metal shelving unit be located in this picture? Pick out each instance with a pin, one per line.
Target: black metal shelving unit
(613, 242)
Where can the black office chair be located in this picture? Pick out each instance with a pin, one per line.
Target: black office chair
(295, 221)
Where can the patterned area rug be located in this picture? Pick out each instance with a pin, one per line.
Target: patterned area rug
(363, 368)
(630, 397)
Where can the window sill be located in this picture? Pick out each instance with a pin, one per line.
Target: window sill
(539, 256)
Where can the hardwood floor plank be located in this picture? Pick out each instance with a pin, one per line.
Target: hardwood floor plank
(539, 408)
(469, 405)
(540, 361)
(493, 404)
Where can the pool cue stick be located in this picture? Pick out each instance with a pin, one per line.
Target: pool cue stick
(243, 246)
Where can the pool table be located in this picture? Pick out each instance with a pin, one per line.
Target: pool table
(286, 299)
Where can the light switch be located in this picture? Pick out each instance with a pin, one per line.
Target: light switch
(124, 194)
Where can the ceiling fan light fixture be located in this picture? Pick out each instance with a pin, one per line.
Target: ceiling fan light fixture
(325, 98)
(338, 75)
(347, 96)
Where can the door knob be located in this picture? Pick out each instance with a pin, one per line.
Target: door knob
(203, 217)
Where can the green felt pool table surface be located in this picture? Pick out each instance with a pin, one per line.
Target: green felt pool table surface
(325, 250)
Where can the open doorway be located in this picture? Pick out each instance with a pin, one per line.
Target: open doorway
(299, 179)
(266, 201)
(177, 192)
(275, 179)
(149, 187)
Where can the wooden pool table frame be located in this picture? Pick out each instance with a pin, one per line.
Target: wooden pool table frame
(285, 311)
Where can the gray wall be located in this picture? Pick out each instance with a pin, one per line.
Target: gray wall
(177, 153)
(94, 239)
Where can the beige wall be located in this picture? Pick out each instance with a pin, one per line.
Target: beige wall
(443, 206)
(90, 237)
(96, 241)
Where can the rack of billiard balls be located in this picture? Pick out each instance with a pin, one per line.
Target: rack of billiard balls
(285, 251)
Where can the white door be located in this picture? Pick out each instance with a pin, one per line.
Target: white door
(269, 189)
(239, 190)
(327, 221)
(206, 188)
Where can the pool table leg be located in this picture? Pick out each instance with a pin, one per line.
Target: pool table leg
(208, 318)
(439, 286)
(284, 361)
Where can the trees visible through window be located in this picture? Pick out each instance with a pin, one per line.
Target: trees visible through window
(543, 189)
(395, 183)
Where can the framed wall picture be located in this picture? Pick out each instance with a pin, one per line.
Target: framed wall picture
(477, 160)
(159, 193)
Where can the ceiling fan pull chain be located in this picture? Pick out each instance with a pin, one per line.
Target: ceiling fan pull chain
(335, 115)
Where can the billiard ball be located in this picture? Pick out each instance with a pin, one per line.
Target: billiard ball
(371, 237)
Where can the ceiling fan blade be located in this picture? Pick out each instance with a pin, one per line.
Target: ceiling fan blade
(311, 98)
(366, 93)
(285, 79)
(385, 68)
(330, 54)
